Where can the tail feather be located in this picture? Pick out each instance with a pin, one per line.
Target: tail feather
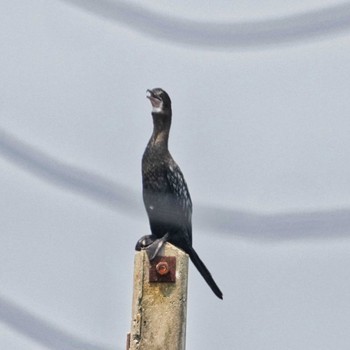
(204, 272)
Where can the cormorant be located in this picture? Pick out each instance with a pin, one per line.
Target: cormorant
(165, 193)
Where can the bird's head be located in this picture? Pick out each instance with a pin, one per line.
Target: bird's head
(160, 100)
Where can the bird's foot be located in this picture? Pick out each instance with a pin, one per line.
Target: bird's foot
(151, 244)
(144, 242)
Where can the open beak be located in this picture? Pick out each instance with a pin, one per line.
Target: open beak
(149, 93)
(155, 101)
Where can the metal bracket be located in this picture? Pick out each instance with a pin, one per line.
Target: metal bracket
(163, 269)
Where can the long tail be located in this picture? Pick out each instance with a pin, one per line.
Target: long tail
(204, 272)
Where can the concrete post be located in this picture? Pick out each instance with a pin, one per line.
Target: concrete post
(159, 308)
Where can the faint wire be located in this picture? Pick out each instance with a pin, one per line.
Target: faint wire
(296, 27)
(73, 178)
(290, 226)
(322, 224)
(41, 331)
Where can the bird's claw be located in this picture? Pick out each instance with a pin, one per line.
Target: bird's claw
(151, 244)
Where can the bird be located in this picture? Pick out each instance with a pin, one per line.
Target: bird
(166, 196)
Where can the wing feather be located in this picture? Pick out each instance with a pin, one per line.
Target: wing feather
(182, 202)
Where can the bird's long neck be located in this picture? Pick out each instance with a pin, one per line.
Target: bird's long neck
(161, 129)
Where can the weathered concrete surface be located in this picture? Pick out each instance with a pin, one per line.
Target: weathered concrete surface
(159, 309)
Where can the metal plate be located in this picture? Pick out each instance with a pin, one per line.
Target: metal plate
(170, 277)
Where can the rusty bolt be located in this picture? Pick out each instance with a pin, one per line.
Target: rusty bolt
(162, 268)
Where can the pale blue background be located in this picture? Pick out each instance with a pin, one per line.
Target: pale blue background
(261, 134)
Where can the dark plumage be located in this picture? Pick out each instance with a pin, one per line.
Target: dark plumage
(165, 193)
